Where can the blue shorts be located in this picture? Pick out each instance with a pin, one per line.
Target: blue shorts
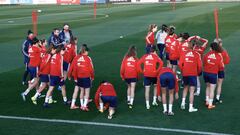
(33, 71)
(150, 81)
(148, 48)
(55, 81)
(174, 62)
(130, 80)
(190, 80)
(44, 78)
(221, 74)
(210, 78)
(84, 82)
(167, 80)
(65, 66)
(26, 60)
(167, 56)
(112, 100)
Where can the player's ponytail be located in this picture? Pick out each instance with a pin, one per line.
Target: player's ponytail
(132, 51)
(83, 49)
(151, 27)
(216, 47)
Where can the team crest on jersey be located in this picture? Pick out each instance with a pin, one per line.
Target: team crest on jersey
(149, 57)
(212, 56)
(168, 40)
(131, 59)
(81, 59)
(190, 54)
(30, 50)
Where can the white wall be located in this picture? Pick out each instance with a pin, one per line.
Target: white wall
(44, 1)
(4, 1)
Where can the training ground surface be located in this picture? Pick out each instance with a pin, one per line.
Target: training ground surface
(107, 50)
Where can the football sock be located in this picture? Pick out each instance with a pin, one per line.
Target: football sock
(154, 98)
(26, 92)
(65, 99)
(101, 106)
(73, 102)
(218, 97)
(81, 102)
(164, 107)
(131, 101)
(170, 108)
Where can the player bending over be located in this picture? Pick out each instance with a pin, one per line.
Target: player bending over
(167, 82)
(106, 95)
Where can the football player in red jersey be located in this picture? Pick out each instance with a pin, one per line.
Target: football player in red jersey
(221, 74)
(106, 96)
(170, 40)
(150, 40)
(190, 65)
(56, 73)
(199, 45)
(151, 66)
(213, 63)
(34, 52)
(167, 82)
(85, 75)
(43, 46)
(129, 73)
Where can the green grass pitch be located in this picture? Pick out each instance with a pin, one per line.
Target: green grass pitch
(107, 50)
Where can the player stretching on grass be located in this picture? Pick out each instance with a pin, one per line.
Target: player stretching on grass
(34, 52)
(221, 74)
(150, 37)
(167, 82)
(129, 73)
(213, 63)
(85, 76)
(151, 66)
(191, 66)
(106, 96)
(44, 71)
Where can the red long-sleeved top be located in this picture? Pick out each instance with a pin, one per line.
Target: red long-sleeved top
(190, 63)
(129, 68)
(34, 53)
(213, 62)
(45, 64)
(56, 65)
(152, 64)
(84, 67)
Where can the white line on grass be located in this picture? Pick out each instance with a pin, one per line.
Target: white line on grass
(111, 125)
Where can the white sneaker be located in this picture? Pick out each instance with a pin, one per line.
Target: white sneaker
(183, 106)
(148, 107)
(23, 96)
(109, 117)
(159, 98)
(196, 94)
(193, 109)
(154, 103)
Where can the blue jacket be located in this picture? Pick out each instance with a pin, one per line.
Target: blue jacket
(62, 35)
(25, 46)
(56, 41)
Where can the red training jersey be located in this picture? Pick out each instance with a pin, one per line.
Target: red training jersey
(56, 65)
(150, 38)
(84, 67)
(213, 62)
(174, 50)
(168, 42)
(226, 57)
(34, 55)
(129, 67)
(152, 64)
(45, 65)
(190, 63)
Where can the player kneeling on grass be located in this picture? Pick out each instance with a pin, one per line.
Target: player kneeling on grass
(44, 71)
(213, 63)
(34, 52)
(85, 75)
(106, 95)
(221, 74)
(191, 66)
(129, 73)
(151, 66)
(167, 82)
(56, 73)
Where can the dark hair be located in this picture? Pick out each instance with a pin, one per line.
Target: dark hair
(164, 27)
(29, 32)
(35, 40)
(84, 48)
(131, 51)
(65, 24)
(60, 48)
(186, 35)
(43, 41)
(56, 29)
(49, 49)
(216, 47)
(103, 81)
(151, 26)
(72, 40)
